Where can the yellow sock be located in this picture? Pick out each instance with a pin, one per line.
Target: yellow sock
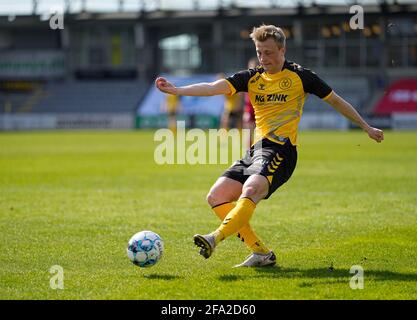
(252, 241)
(221, 210)
(237, 218)
(246, 234)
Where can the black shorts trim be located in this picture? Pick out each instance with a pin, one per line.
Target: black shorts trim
(276, 162)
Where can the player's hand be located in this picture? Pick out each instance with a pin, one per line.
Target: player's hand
(165, 86)
(376, 134)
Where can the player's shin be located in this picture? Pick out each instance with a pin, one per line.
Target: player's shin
(237, 218)
(246, 234)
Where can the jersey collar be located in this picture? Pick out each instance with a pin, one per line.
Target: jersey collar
(278, 74)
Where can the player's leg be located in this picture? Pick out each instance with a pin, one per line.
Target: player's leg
(271, 165)
(221, 198)
(224, 190)
(240, 173)
(253, 191)
(277, 171)
(224, 121)
(172, 122)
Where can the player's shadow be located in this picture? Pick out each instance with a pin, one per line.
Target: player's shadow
(167, 277)
(331, 274)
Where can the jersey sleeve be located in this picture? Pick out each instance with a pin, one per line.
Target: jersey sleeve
(314, 84)
(239, 81)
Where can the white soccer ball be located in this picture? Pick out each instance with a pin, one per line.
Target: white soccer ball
(145, 249)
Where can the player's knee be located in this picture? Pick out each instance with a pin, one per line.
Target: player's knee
(212, 198)
(254, 191)
(250, 191)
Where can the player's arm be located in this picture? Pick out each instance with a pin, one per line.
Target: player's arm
(346, 109)
(199, 89)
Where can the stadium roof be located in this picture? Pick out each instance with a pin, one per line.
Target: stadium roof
(25, 7)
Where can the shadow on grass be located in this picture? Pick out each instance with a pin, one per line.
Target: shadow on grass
(167, 277)
(331, 274)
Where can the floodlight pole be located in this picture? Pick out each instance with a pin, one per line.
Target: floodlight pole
(121, 5)
(34, 6)
(141, 5)
(67, 6)
(83, 5)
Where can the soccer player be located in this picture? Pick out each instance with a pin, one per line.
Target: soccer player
(277, 90)
(171, 105)
(231, 113)
(231, 110)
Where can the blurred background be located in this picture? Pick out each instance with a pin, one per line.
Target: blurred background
(91, 63)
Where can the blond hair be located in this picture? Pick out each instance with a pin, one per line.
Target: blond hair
(264, 32)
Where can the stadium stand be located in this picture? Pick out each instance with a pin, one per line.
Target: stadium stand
(91, 96)
(355, 90)
(359, 64)
(13, 102)
(124, 96)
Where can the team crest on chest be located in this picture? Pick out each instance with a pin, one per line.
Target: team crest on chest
(285, 83)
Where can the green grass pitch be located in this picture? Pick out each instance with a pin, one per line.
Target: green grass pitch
(75, 198)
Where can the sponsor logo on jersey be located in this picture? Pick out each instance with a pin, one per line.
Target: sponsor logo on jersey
(274, 97)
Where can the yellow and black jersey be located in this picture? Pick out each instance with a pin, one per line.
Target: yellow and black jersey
(278, 98)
